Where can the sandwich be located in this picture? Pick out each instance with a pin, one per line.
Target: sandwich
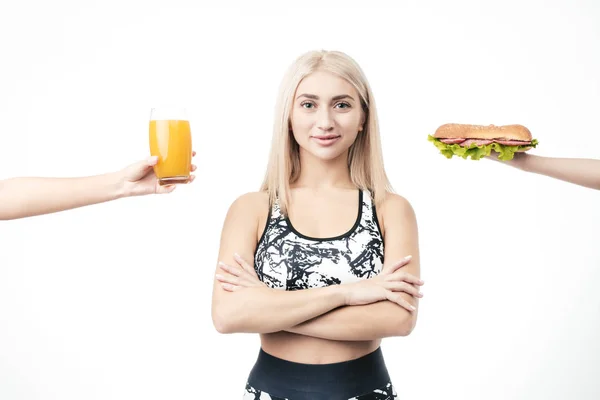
(477, 141)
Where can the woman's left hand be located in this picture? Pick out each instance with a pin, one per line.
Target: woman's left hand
(238, 277)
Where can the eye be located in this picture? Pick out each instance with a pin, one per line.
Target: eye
(343, 105)
(307, 104)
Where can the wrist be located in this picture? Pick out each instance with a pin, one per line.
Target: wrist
(341, 294)
(522, 161)
(117, 185)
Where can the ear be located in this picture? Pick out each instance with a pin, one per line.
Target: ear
(363, 118)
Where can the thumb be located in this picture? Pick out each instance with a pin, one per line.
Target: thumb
(138, 170)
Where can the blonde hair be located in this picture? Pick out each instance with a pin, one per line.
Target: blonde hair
(365, 158)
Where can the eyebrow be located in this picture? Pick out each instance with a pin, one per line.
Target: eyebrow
(315, 97)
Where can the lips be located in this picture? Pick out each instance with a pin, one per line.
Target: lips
(326, 140)
(327, 137)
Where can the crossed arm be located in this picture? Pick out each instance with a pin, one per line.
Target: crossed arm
(319, 312)
(384, 318)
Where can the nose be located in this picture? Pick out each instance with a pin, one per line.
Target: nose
(324, 120)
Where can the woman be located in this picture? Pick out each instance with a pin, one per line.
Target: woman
(579, 171)
(302, 261)
(30, 196)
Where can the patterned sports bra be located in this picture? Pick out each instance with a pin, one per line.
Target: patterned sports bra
(286, 259)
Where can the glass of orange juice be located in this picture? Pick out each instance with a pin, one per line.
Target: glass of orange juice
(171, 142)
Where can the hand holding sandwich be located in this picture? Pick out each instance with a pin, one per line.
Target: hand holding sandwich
(509, 144)
(579, 171)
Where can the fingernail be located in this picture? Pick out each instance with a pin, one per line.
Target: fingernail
(236, 255)
(420, 294)
(407, 258)
(152, 160)
(421, 282)
(219, 276)
(413, 308)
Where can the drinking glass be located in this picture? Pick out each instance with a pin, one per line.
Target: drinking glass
(171, 141)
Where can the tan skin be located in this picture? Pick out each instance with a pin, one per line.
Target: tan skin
(579, 171)
(340, 322)
(23, 197)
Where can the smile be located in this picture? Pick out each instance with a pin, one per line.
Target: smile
(326, 140)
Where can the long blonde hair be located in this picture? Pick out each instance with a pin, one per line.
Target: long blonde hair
(365, 158)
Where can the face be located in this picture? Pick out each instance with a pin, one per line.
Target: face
(326, 116)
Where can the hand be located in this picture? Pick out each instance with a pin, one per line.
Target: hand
(385, 286)
(139, 178)
(238, 277)
(517, 161)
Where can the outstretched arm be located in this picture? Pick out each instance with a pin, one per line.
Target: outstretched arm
(579, 171)
(384, 318)
(30, 196)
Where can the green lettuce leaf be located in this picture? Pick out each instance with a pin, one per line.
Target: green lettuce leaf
(505, 153)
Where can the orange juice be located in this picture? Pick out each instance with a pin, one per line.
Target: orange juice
(171, 141)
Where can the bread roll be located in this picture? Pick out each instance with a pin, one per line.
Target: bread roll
(489, 132)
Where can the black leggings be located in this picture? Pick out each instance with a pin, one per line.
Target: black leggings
(365, 378)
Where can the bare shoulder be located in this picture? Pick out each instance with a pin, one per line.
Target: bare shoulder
(251, 199)
(251, 208)
(250, 204)
(396, 209)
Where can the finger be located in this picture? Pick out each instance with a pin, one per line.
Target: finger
(403, 287)
(138, 170)
(192, 177)
(242, 262)
(230, 279)
(251, 271)
(394, 267)
(193, 153)
(165, 189)
(193, 168)
(229, 287)
(396, 298)
(404, 276)
(232, 270)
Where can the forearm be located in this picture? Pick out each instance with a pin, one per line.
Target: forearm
(265, 310)
(358, 323)
(25, 197)
(580, 171)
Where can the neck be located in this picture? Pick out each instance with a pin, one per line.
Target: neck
(322, 174)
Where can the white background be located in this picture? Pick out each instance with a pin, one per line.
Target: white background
(113, 301)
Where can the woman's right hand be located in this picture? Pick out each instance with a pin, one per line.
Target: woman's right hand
(385, 286)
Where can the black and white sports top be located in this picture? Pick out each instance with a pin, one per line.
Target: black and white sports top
(286, 259)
